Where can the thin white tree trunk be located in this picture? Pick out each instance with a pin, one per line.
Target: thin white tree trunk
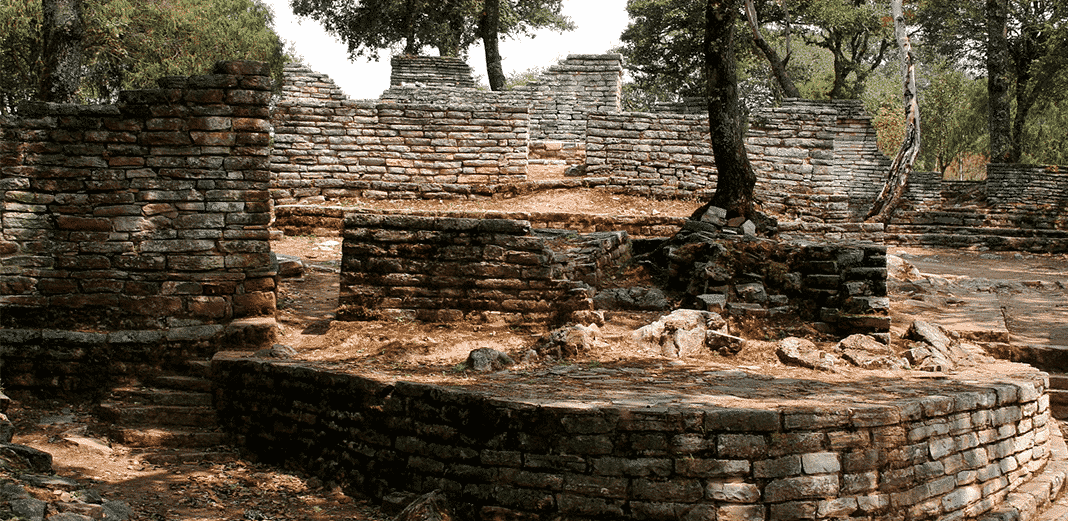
(889, 198)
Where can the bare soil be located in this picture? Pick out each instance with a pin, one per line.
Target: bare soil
(1028, 293)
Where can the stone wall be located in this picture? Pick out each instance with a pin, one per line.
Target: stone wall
(561, 97)
(882, 449)
(443, 269)
(135, 232)
(814, 161)
(329, 147)
(430, 71)
(1018, 207)
(1043, 188)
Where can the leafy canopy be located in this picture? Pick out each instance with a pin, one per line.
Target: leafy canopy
(131, 43)
(369, 27)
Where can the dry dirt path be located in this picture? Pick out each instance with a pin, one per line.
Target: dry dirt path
(1017, 298)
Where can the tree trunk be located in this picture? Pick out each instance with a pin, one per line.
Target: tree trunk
(62, 31)
(889, 198)
(778, 65)
(735, 179)
(489, 27)
(997, 77)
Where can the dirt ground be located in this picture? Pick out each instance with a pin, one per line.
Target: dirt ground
(1021, 297)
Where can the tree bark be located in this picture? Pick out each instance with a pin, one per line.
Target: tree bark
(489, 27)
(778, 64)
(62, 32)
(997, 77)
(889, 198)
(735, 179)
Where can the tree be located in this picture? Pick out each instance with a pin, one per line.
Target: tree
(1021, 67)
(897, 179)
(129, 44)
(855, 32)
(777, 63)
(662, 43)
(735, 178)
(451, 26)
(62, 33)
(663, 47)
(20, 51)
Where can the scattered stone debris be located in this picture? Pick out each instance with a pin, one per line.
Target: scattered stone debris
(568, 341)
(804, 353)
(867, 352)
(289, 267)
(486, 359)
(433, 506)
(73, 502)
(935, 348)
(689, 331)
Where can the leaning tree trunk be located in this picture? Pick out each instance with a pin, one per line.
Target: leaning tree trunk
(735, 179)
(882, 209)
(489, 27)
(778, 64)
(62, 31)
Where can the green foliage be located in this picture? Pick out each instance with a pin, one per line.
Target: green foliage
(663, 48)
(836, 45)
(20, 51)
(131, 43)
(521, 78)
(369, 27)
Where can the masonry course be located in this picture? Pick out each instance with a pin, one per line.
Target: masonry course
(937, 450)
(136, 233)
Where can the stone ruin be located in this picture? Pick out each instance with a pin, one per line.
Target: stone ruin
(137, 235)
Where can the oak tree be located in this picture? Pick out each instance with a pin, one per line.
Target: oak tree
(369, 27)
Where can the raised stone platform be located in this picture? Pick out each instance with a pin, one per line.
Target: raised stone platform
(671, 444)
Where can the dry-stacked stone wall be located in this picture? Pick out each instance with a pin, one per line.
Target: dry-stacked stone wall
(136, 232)
(329, 147)
(1018, 207)
(880, 449)
(561, 97)
(1041, 188)
(814, 161)
(443, 269)
(436, 71)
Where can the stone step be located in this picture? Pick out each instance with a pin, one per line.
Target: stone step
(180, 456)
(155, 396)
(1058, 381)
(199, 368)
(1059, 412)
(173, 437)
(183, 383)
(1058, 397)
(157, 415)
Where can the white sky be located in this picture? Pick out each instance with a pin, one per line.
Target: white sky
(598, 26)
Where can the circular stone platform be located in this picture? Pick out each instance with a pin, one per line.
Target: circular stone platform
(599, 443)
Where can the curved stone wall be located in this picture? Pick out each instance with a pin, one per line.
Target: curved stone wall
(627, 444)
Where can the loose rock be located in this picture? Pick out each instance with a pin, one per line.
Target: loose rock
(485, 360)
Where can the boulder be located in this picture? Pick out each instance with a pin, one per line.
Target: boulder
(868, 353)
(802, 352)
(569, 341)
(685, 332)
(485, 360)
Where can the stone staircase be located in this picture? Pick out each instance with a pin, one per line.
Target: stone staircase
(1058, 396)
(168, 418)
(974, 226)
